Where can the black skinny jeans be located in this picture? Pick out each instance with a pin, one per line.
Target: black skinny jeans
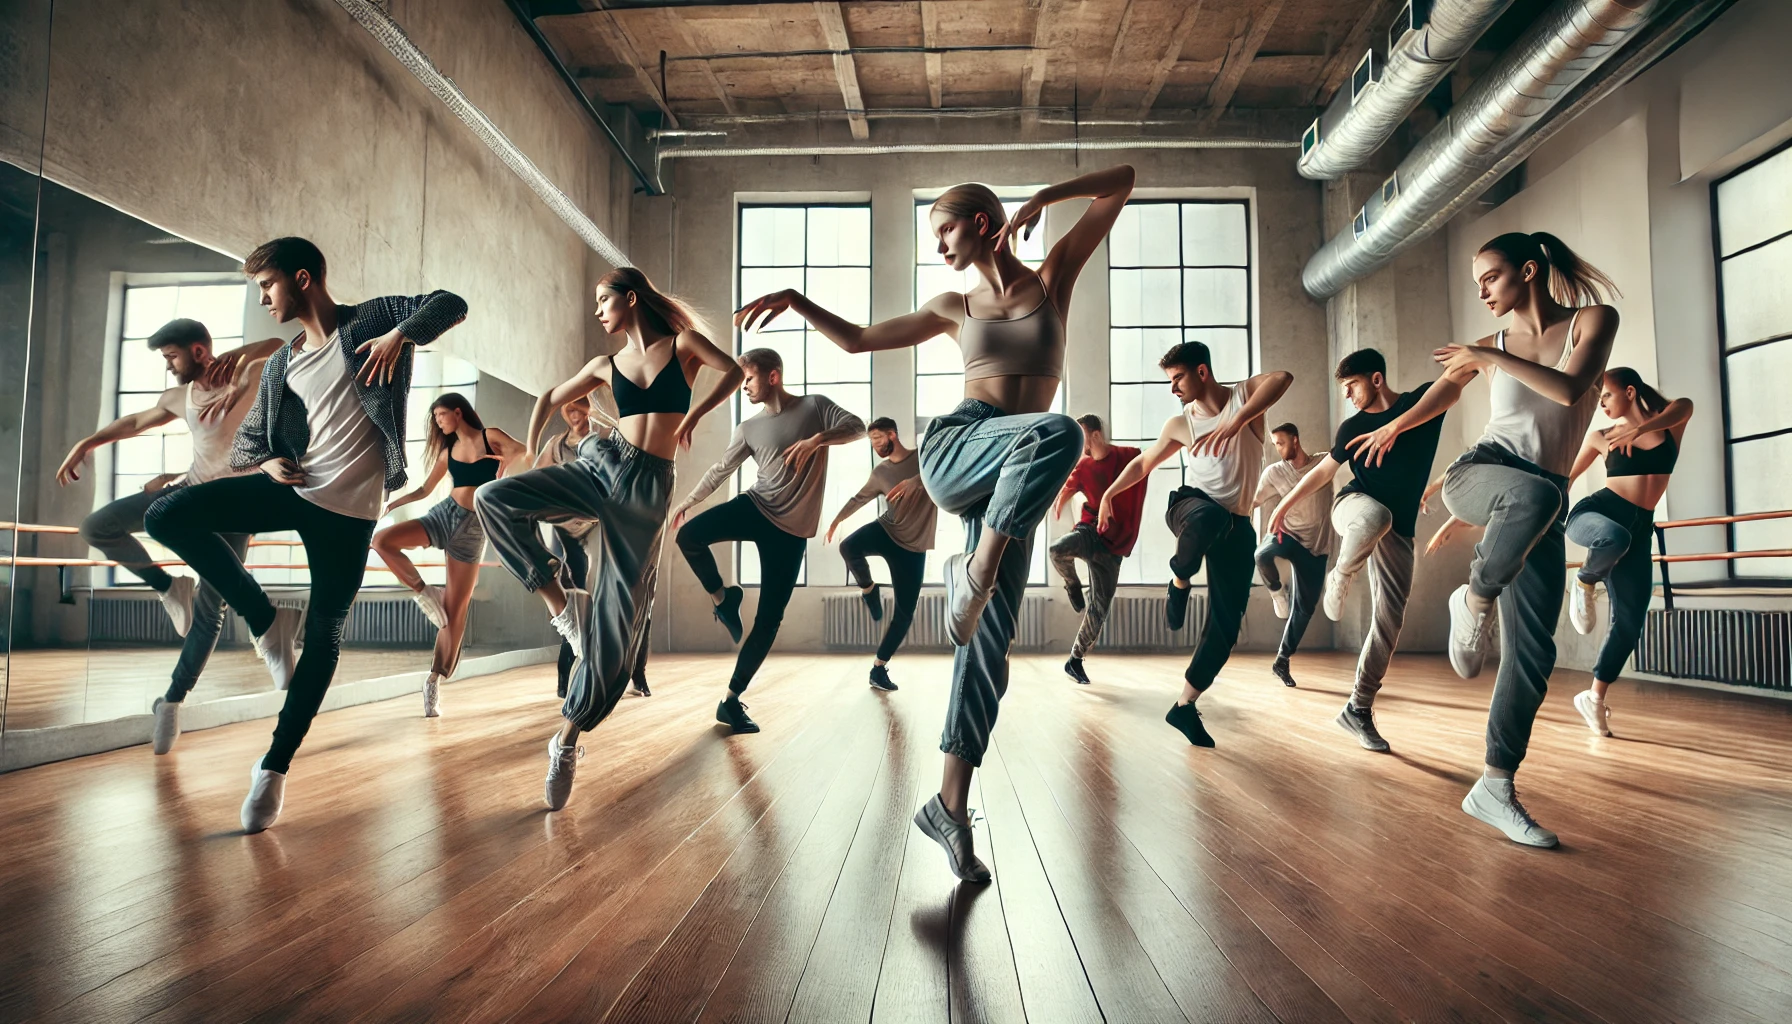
(907, 569)
(1207, 531)
(1304, 589)
(190, 522)
(780, 559)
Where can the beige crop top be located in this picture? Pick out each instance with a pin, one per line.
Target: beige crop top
(1031, 345)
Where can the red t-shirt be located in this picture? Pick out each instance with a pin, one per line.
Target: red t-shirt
(1093, 477)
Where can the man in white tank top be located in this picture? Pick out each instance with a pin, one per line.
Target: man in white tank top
(1221, 429)
(212, 396)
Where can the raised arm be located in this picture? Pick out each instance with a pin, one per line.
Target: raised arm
(1591, 448)
(1109, 189)
(416, 320)
(1260, 392)
(709, 355)
(119, 429)
(239, 365)
(1673, 418)
(1598, 328)
(1314, 479)
(1439, 396)
(737, 453)
(837, 427)
(580, 384)
(506, 449)
(906, 331)
(1170, 440)
(853, 504)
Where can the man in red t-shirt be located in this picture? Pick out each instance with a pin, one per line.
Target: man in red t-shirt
(1103, 550)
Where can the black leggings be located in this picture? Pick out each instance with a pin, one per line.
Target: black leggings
(780, 559)
(189, 523)
(1207, 531)
(907, 568)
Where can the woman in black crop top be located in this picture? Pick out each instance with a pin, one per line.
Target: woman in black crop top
(1616, 523)
(469, 453)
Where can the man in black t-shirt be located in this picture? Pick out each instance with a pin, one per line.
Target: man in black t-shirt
(1375, 516)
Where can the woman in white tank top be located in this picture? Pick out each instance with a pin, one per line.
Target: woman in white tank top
(1545, 369)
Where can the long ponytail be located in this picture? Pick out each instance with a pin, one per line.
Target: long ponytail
(666, 314)
(1572, 281)
(1650, 399)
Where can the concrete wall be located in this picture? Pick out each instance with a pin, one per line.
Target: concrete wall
(230, 123)
(687, 243)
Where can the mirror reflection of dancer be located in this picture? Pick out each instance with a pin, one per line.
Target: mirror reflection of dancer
(901, 535)
(1103, 550)
(585, 418)
(622, 482)
(1221, 429)
(1617, 522)
(997, 460)
(1514, 482)
(1389, 449)
(788, 441)
(212, 397)
(1303, 539)
(327, 431)
(469, 453)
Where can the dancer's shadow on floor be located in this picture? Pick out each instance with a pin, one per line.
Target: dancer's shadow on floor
(1437, 771)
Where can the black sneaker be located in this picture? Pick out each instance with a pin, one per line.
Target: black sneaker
(1280, 668)
(1176, 605)
(880, 678)
(1074, 669)
(728, 612)
(638, 686)
(1361, 724)
(874, 601)
(733, 714)
(1186, 719)
(1075, 592)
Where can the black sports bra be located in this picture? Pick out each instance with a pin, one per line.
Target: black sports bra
(1643, 461)
(669, 392)
(472, 474)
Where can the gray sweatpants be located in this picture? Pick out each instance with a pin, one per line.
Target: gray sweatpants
(1104, 577)
(628, 492)
(1522, 560)
(1366, 536)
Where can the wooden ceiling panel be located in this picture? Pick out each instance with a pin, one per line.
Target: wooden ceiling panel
(883, 24)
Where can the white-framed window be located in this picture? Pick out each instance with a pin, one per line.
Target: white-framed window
(823, 250)
(1752, 233)
(1178, 270)
(939, 364)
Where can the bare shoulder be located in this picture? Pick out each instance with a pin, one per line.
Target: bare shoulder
(949, 305)
(1595, 320)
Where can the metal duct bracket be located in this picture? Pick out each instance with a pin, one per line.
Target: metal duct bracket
(1424, 42)
(1466, 153)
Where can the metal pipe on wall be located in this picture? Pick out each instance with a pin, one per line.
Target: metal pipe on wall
(690, 152)
(393, 38)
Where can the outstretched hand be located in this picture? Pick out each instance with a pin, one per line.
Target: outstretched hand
(70, 470)
(1445, 533)
(1374, 446)
(1104, 514)
(1216, 441)
(798, 455)
(1621, 438)
(756, 314)
(902, 488)
(222, 369)
(383, 354)
(1022, 223)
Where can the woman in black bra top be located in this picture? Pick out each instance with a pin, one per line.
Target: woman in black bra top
(1616, 523)
(461, 447)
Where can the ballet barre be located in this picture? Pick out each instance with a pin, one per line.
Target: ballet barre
(1663, 559)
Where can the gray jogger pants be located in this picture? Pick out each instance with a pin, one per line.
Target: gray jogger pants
(1366, 536)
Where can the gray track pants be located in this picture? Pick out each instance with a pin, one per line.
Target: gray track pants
(1104, 577)
(1366, 535)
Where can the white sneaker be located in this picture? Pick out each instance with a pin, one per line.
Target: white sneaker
(964, 602)
(570, 623)
(562, 762)
(177, 601)
(1336, 586)
(1468, 636)
(1583, 605)
(432, 696)
(278, 647)
(167, 728)
(267, 792)
(1495, 801)
(1594, 711)
(1278, 600)
(430, 600)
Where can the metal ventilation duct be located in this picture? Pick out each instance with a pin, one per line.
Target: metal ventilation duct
(1564, 46)
(1359, 120)
(418, 64)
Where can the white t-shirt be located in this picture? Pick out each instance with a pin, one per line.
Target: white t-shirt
(344, 469)
(1229, 478)
(211, 441)
(1309, 521)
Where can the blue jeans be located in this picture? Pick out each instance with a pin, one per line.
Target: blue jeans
(1616, 535)
(1001, 473)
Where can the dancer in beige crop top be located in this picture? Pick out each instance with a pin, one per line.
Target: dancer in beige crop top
(1028, 345)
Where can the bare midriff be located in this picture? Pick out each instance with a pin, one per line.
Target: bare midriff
(655, 433)
(1015, 395)
(1641, 491)
(463, 496)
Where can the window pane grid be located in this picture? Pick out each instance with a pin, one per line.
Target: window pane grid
(1751, 216)
(1161, 292)
(824, 251)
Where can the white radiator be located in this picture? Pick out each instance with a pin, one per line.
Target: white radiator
(1137, 623)
(395, 622)
(847, 625)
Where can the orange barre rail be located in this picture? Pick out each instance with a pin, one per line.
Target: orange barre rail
(30, 561)
(1752, 517)
(35, 528)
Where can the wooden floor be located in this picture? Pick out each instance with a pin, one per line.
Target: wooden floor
(64, 685)
(1287, 875)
